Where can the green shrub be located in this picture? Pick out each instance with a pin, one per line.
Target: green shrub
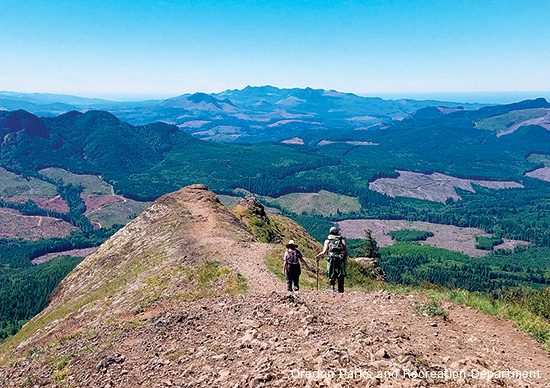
(431, 308)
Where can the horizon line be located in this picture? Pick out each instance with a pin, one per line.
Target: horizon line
(436, 95)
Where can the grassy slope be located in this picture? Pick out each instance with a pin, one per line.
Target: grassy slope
(503, 122)
(92, 184)
(13, 185)
(118, 213)
(324, 203)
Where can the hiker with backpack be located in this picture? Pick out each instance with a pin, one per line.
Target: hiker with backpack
(337, 252)
(291, 266)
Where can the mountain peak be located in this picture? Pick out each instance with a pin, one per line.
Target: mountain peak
(202, 97)
(178, 233)
(69, 115)
(261, 89)
(96, 117)
(21, 120)
(200, 101)
(430, 112)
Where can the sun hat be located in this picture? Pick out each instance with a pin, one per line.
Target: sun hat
(291, 244)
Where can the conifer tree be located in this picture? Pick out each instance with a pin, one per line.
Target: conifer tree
(369, 247)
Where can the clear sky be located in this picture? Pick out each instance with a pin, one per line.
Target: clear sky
(110, 48)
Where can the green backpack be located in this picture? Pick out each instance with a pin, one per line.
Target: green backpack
(335, 248)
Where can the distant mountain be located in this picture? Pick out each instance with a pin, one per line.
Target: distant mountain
(267, 113)
(46, 104)
(95, 139)
(250, 115)
(497, 110)
(200, 102)
(49, 98)
(334, 103)
(145, 161)
(56, 108)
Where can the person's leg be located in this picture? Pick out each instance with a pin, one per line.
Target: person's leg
(341, 284)
(288, 279)
(297, 282)
(332, 283)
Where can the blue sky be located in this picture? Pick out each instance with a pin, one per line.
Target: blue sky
(111, 48)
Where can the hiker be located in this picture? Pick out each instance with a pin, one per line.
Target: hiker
(335, 248)
(291, 266)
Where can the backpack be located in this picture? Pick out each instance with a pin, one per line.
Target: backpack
(293, 257)
(335, 248)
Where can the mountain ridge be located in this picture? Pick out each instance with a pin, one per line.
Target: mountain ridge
(153, 306)
(180, 230)
(243, 115)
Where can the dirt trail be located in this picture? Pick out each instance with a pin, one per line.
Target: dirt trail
(246, 257)
(280, 340)
(113, 189)
(251, 265)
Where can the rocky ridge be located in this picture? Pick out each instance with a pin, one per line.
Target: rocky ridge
(131, 315)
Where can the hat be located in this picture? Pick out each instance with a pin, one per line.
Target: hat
(291, 244)
(334, 230)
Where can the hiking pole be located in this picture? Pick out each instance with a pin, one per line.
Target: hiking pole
(317, 275)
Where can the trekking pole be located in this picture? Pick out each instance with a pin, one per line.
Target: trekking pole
(317, 275)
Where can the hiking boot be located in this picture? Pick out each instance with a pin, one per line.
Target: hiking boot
(296, 288)
(332, 288)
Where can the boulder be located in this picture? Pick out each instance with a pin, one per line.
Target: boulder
(373, 266)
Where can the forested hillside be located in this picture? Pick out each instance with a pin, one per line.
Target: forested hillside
(145, 162)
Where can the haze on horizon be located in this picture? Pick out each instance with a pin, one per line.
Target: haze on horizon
(140, 49)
